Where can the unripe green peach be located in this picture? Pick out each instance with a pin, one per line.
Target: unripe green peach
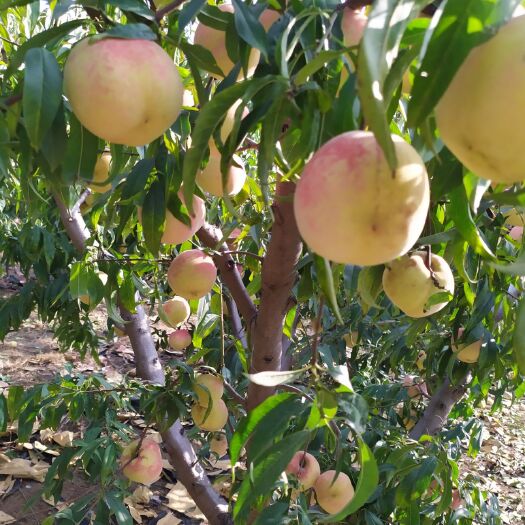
(351, 208)
(125, 91)
(480, 116)
(146, 465)
(409, 284)
(175, 311)
(192, 274)
(215, 420)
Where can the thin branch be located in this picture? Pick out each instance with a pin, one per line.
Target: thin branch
(76, 207)
(234, 394)
(237, 329)
(167, 9)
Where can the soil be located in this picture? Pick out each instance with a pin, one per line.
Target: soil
(31, 355)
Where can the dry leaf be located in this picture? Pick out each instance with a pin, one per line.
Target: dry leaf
(181, 501)
(5, 519)
(141, 495)
(22, 468)
(167, 465)
(6, 485)
(169, 519)
(64, 439)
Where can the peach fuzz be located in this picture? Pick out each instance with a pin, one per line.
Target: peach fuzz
(192, 274)
(305, 468)
(124, 91)
(215, 42)
(146, 465)
(351, 208)
(179, 339)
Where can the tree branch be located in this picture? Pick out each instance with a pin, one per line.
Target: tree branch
(439, 407)
(278, 277)
(76, 207)
(182, 456)
(237, 328)
(211, 236)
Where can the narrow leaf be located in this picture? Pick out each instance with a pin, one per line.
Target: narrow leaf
(275, 378)
(153, 216)
(325, 277)
(518, 340)
(249, 27)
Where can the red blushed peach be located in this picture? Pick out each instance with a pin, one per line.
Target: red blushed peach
(353, 25)
(143, 466)
(268, 17)
(124, 91)
(179, 339)
(333, 496)
(192, 274)
(175, 311)
(305, 468)
(351, 208)
(215, 42)
(516, 233)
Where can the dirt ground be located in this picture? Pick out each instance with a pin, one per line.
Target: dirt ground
(31, 355)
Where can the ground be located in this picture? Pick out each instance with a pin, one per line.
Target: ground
(32, 354)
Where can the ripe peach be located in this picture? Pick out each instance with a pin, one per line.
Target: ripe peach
(143, 466)
(179, 339)
(208, 386)
(408, 283)
(219, 444)
(210, 178)
(192, 274)
(467, 353)
(353, 25)
(516, 233)
(215, 41)
(215, 420)
(352, 209)
(99, 182)
(124, 91)
(268, 17)
(305, 468)
(174, 311)
(333, 496)
(488, 87)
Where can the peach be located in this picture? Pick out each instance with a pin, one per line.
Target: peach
(408, 283)
(175, 311)
(353, 25)
(516, 233)
(352, 209)
(467, 353)
(219, 444)
(210, 178)
(268, 17)
(480, 116)
(179, 339)
(305, 468)
(215, 41)
(208, 387)
(124, 91)
(333, 495)
(144, 465)
(192, 274)
(420, 362)
(229, 119)
(215, 420)
(99, 182)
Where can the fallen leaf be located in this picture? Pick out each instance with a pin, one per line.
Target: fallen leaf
(5, 519)
(6, 485)
(169, 519)
(22, 468)
(142, 495)
(64, 438)
(181, 501)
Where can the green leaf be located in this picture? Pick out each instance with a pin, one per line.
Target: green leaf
(118, 508)
(84, 281)
(274, 378)
(249, 27)
(201, 57)
(55, 141)
(274, 514)
(133, 6)
(318, 62)
(39, 40)
(129, 31)
(4, 416)
(370, 285)
(379, 46)
(325, 277)
(415, 484)
(188, 12)
(462, 26)
(81, 154)
(266, 471)
(154, 215)
(515, 268)
(518, 339)
(127, 292)
(137, 178)
(459, 211)
(366, 484)
(248, 423)
(42, 93)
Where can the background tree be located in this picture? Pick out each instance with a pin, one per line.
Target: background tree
(127, 178)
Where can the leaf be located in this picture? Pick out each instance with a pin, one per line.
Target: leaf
(266, 471)
(366, 484)
(249, 423)
(154, 215)
(461, 27)
(274, 378)
(325, 276)
(415, 484)
(42, 93)
(137, 178)
(515, 268)
(129, 31)
(274, 514)
(189, 11)
(319, 61)
(127, 292)
(459, 211)
(518, 339)
(379, 46)
(370, 284)
(133, 6)
(249, 27)
(81, 153)
(4, 416)
(201, 57)
(118, 508)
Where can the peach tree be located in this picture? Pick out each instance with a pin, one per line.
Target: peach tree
(306, 217)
